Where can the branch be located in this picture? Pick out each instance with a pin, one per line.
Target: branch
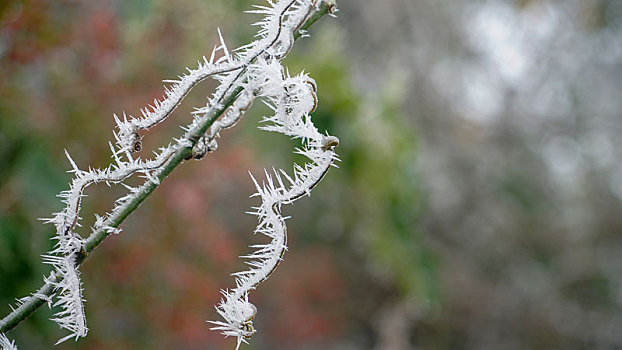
(228, 96)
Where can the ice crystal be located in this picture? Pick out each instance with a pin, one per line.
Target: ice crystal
(6, 344)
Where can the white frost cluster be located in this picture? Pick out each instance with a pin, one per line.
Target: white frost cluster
(252, 70)
(5, 344)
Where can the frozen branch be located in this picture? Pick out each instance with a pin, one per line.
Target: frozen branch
(243, 74)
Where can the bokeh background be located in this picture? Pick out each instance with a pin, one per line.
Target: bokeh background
(477, 206)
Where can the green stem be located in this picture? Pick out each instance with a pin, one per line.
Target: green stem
(27, 308)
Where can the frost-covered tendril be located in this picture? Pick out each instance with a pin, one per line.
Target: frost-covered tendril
(66, 278)
(291, 99)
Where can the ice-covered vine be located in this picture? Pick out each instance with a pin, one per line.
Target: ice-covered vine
(248, 72)
(291, 99)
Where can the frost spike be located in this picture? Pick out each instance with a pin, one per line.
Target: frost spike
(73, 164)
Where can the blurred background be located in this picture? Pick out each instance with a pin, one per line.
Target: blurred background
(477, 206)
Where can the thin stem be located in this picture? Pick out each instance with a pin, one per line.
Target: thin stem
(40, 297)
